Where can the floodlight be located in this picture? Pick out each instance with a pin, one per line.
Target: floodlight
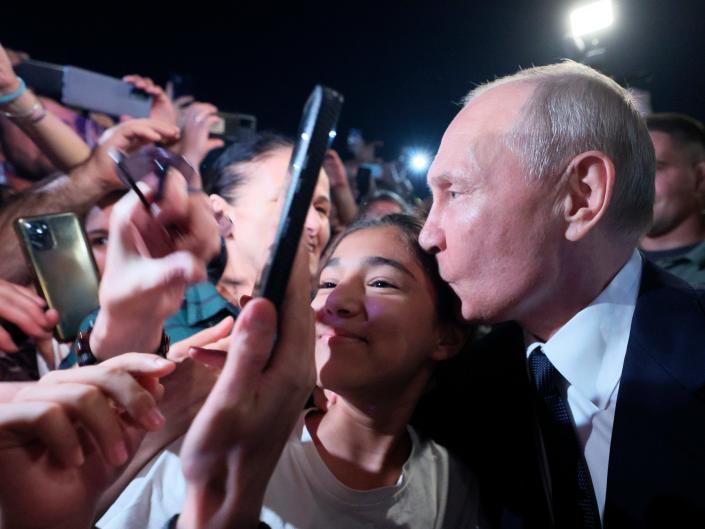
(591, 18)
(419, 161)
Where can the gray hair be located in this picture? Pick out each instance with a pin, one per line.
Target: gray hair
(575, 109)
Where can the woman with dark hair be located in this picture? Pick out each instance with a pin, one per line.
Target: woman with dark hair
(247, 185)
(384, 320)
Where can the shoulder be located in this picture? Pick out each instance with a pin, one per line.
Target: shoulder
(457, 486)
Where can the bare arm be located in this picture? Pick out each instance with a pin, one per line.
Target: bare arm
(78, 191)
(55, 138)
(340, 188)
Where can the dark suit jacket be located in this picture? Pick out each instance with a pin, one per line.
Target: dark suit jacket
(482, 410)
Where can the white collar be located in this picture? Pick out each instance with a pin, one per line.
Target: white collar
(589, 349)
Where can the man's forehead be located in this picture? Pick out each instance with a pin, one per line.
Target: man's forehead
(495, 110)
(478, 131)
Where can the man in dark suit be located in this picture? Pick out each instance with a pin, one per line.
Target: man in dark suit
(588, 410)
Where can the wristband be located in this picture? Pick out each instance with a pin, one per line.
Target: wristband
(85, 356)
(9, 98)
(34, 114)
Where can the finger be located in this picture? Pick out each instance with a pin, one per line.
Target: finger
(88, 405)
(214, 144)
(49, 423)
(137, 132)
(6, 343)
(145, 131)
(250, 348)
(184, 101)
(173, 269)
(131, 226)
(208, 119)
(174, 202)
(222, 329)
(30, 294)
(201, 237)
(294, 359)
(153, 386)
(209, 357)
(119, 378)
(140, 364)
(11, 293)
(30, 319)
(222, 345)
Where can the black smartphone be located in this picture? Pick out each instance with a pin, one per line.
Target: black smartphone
(314, 137)
(62, 263)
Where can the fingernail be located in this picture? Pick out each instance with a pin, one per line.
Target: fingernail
(155, 419)
(161, 362)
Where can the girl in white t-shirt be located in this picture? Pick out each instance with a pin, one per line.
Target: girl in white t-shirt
(384, 319)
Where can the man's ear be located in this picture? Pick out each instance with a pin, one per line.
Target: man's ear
(451, 339)
(589, 184)
(700, 175)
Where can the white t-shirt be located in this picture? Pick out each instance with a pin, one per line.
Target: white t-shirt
(433, 491)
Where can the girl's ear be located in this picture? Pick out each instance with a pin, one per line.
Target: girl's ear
(451, 339)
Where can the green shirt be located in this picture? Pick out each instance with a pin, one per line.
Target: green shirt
(202, 308)
(689, 266)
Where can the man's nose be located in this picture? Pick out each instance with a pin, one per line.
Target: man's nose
(431, 237)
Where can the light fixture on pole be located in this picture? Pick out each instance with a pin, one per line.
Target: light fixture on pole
(587, 22)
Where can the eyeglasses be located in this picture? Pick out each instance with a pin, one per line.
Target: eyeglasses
(152, 160)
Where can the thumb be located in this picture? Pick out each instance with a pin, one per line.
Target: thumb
(250, 347)
(176, 268)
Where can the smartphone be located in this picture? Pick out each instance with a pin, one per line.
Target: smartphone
(234, 127)
(61, 260)
(80, 88)
(313, 139)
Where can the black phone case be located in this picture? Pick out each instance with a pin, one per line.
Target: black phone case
(320, 117)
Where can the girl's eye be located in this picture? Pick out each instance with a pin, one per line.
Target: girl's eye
(381, 283)
(326, 284)
(99, 241)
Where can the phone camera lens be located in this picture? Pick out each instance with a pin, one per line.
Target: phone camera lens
(39, 235)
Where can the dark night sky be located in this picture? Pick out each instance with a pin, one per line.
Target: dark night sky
(400, 65)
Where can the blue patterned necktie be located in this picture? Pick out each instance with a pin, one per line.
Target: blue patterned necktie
(573, 497)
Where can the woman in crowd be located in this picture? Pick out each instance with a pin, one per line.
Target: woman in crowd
(247, 185)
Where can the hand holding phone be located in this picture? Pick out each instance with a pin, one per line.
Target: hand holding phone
(153, 254)
(62, 263)
(23, 314)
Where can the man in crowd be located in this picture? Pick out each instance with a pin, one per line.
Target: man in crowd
(676, 240)
(543, 186)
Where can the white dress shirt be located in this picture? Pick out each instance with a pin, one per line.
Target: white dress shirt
(589, 352)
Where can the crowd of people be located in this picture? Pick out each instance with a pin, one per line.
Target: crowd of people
(525, 350)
